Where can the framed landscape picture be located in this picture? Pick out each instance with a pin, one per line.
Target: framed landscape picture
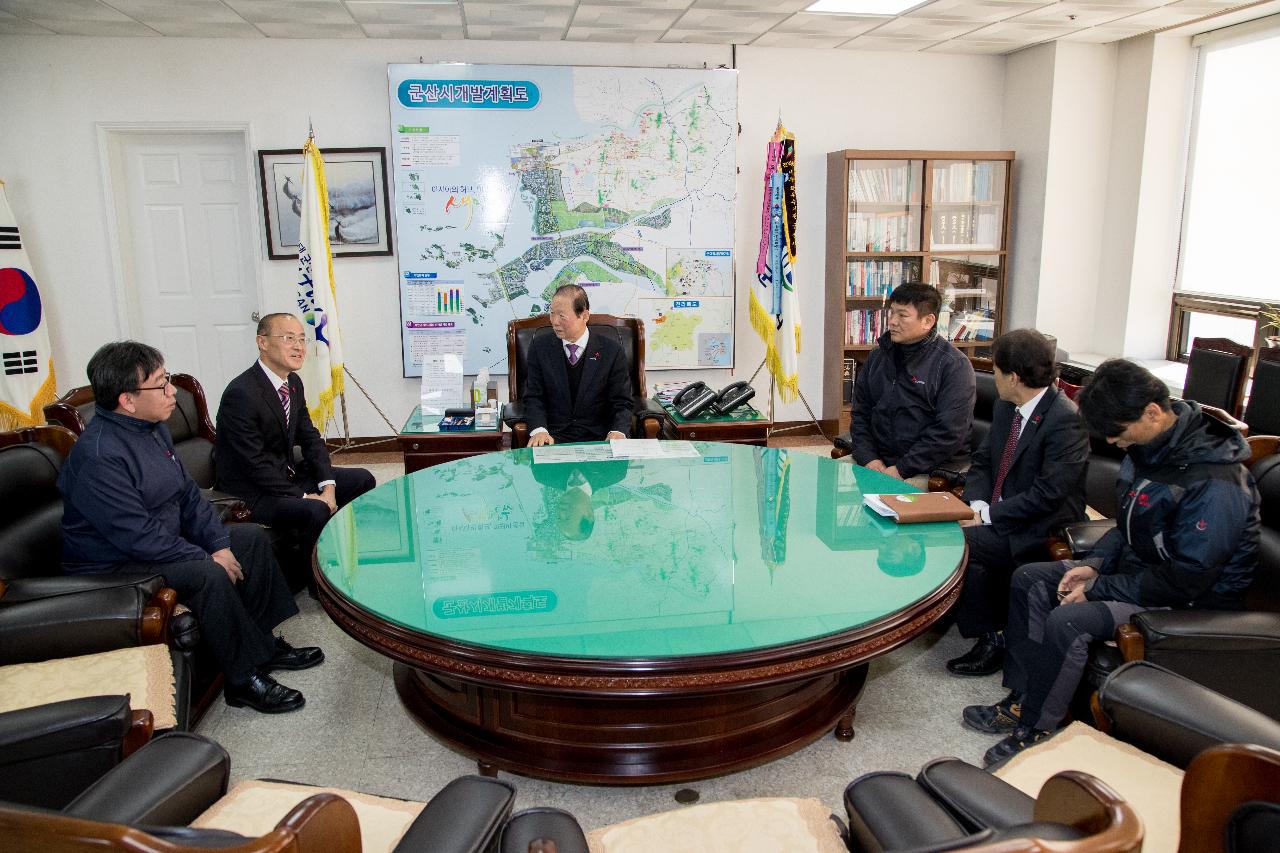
(359, 218)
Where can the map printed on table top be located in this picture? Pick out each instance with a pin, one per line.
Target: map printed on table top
(511, 181)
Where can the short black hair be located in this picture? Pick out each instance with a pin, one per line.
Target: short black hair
(580, 301)
(924, 297)
(267, 323)
(1029, 354)
(120, 367)
(1117, 394)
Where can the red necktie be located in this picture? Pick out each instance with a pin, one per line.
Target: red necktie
(284, 402)
(1006, 458)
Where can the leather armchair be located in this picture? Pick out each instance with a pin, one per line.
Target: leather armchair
(1217, 369)
(649, 418)
(49, 754)
(543, 831)
(1263, 412)
(148, 800)
(189, 425)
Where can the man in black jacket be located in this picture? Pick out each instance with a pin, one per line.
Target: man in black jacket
(263, 414)
(577, 388)
(1186, 537)
(913, 399)
(1027, 479)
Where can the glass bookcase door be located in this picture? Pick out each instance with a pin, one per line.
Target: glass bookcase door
(885, 209)
(970, 288)
(967, 199)
(880, 276)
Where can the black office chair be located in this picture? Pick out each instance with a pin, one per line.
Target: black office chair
(1216, 372)
(1263, 412)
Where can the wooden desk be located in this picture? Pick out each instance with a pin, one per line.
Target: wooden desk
(425, 445)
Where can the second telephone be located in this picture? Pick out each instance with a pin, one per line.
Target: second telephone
(693, 400)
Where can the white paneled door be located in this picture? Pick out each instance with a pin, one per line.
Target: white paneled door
(187, 225)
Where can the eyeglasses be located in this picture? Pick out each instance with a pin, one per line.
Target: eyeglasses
(168, 377)
(289, 339)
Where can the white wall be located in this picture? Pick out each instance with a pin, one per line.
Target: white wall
(57, 88)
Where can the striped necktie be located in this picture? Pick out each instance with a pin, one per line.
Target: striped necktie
(1006, 458)
(284, 402)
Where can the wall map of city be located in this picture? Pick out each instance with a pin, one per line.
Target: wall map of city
(510, 181)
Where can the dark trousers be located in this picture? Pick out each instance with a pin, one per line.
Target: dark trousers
(984, 600)
(1048, 643)
(304, 518)
(235, 620)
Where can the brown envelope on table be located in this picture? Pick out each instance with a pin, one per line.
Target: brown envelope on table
(919, 507)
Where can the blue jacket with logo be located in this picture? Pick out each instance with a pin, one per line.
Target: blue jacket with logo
(1187, 529)
(918, 418)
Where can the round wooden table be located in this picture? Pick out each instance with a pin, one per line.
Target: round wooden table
(634, 622)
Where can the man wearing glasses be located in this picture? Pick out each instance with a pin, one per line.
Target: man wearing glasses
(262, 416)
(130, 505)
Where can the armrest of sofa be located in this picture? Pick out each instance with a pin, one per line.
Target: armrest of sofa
(529, 830)
(1082, 537)
(170, 781)
(466, 815)
(513, 417)
(841, 447)
(81, 623)
(1174, 718)
(230, 509)
(976, 798)
(22, 590)
(651, 420)
(50, 753)
(947, 480)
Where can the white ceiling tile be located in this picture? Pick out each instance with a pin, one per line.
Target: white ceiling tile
(1131, 5)
(517, 16)
(1205, 7)
(973, 10)
(630, 35)
(500, 32)
(187, 11)
(612, 17)
(1165, 16)
(925, 29)
(412, 31)
(976, 47)
(61, 10)
(1107, 34)
(1086, 14)
(308, 30)
(784, 6)
(1015, 31)
(639, 5)
(773, 38)
(100, 28)
(206, 29)
(291, 11)
(873, 42)
(12, 25)
(414, 14)
(709, 36)
(731, 21)
(830, 25)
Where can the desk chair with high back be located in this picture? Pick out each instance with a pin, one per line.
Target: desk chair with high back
(1263, 412)
(189, 425)
(649, 417)
(1217, 369)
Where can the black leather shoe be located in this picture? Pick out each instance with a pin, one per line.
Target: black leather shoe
(999, 719)
(287, 657)
(1021, 738)
(263, 693)
(986, 657)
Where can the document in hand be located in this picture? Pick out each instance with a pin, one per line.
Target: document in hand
(919, 506)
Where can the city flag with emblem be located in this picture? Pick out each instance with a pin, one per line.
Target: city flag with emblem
(27, 382)
(322, 371)
(775, 314)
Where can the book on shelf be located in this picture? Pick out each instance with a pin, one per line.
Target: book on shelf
(848, 372)
(882, 232)
(883, 184)
(879, 278)
(978, 325)
(863, 327)
(964, 182)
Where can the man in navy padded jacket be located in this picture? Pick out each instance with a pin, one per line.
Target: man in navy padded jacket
(129, 504)
(1186, 536)
(913, 399)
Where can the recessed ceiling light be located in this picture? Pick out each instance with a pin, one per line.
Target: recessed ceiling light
(863, 7)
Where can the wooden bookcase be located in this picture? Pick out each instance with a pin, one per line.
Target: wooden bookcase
(941, 217)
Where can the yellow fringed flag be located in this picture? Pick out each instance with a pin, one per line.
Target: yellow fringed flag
(317, 300)
(775, 313)
(27, 381)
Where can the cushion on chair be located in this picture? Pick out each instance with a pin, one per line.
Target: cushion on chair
(145, 673)
(765, 825)
(1150, 785)
(253, 809)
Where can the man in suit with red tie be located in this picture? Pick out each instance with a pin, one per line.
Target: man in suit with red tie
(577, 388)
(263, 414)
(1027, 479)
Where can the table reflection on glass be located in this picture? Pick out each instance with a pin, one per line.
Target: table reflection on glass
(634, 622)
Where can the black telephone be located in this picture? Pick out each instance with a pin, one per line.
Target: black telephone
(733, 396)
(693, 400)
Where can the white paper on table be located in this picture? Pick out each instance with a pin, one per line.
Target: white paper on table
(550, 454)
(651, 448)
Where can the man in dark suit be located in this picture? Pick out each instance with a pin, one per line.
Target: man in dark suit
(1027, 479)
(263, 414)
(578, 387)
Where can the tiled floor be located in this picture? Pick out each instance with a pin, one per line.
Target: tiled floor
(354, 732)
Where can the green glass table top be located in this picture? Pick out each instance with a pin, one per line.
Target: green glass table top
(430, 424)
(740, 548)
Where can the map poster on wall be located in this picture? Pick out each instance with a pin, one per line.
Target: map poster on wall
(512, 180)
